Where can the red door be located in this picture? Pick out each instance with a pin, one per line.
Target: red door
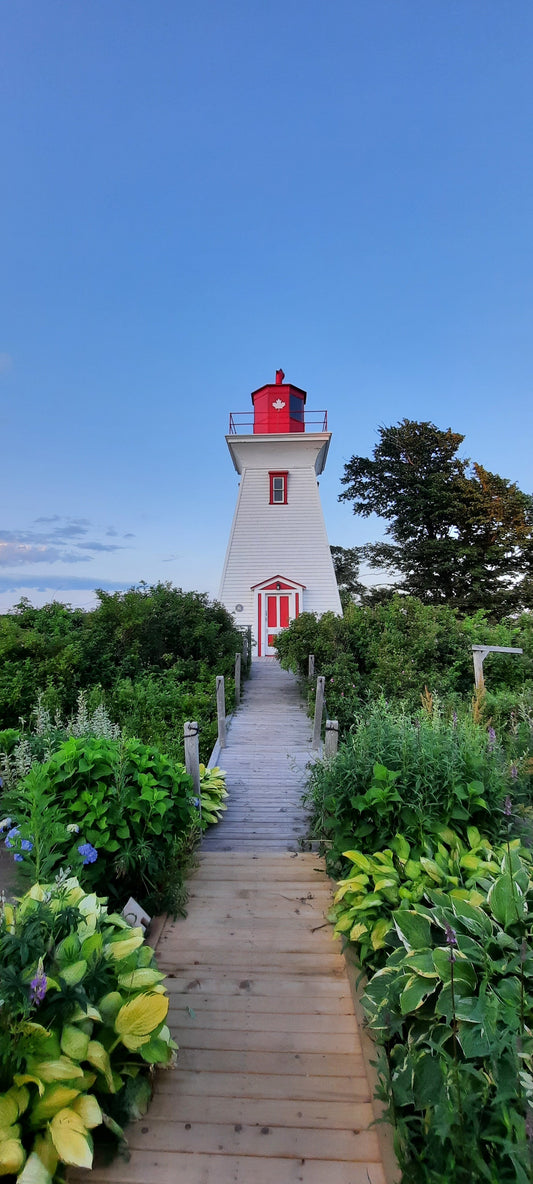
(277, 617)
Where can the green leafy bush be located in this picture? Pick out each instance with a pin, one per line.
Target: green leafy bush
(396, 773)
(453, 1005)
(82, 1022)
(123, 797)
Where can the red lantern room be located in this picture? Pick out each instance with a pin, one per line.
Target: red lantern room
(279, 407)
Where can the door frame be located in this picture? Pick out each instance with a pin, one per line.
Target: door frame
(273, 585)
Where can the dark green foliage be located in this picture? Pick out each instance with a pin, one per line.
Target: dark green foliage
(133, 805)
(401, 646)
(152, 653)
(346, 562)
(460, 535)
(398, 773)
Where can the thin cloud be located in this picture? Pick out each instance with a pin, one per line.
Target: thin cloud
(61, 584)
(99, 546)
(15, 554)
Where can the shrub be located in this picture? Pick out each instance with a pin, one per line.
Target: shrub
(132, 805)
(82, 1023)
(398, 773)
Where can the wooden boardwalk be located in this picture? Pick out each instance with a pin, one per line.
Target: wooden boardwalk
(271, 1085)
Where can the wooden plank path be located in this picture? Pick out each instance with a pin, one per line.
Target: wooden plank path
(271, 1085)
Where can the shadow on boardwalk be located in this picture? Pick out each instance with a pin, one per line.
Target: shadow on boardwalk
(271, 1085)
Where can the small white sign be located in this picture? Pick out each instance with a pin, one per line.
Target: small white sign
(135, 915)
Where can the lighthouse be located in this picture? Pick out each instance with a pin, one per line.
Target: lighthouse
(278, 562)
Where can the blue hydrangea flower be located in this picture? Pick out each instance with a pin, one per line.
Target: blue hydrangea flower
(88, 852)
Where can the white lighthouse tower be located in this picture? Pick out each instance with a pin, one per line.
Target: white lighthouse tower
(278, 562)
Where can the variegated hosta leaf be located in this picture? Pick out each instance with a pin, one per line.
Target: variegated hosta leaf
(86, 1106)
(124, 944)
(74, 1042)
(140, 1017)
(140, 979)
(71, 1139)
(98, 1056)
(54, 1098)
(63, 1069)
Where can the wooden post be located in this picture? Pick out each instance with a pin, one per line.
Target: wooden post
(237, 679)
(192, 760)
(311, 670)
(331, 741)
(479, 653)
(221, 710)
(319, 708)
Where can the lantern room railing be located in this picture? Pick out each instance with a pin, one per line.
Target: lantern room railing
(241, 423)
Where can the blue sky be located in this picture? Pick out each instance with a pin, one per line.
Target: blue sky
(195, 195)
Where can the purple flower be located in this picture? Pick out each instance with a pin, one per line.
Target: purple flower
(38, 986)
(454, 719)
(451, 936)
(507, 807)
(514, 772)
(88, 853)
(492, 738)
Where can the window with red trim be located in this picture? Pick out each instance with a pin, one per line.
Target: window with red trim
(278, 489)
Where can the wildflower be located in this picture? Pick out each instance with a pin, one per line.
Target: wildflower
(454, 719)
(514, 772)
(26, 845)
(88, 853)
(18, 858)
(11, 834)
(507, 808)
(5, 823)
(38, 985)
(196, 802)
(492, 738)
(73, 828)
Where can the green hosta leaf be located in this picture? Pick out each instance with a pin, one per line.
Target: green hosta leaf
(462, 970)
(109, 1006)
(432, 869)
(517, 868)
(400, 845)
(71, 1140)
(140, 1017)
(68, 950)
(87, 1012)
(73, 973)
(473, 1039)
(506, 900)
(156, 1052)
(413, 929)
(359, 859)
(98, 1056)
(412, 869)
(92, 945)
(74, 1042)
(420, 962)
(54, 1098)
(9, 1110)
(385, 882)
(367, 902)
(140, 979)
(415, 993)
(460, 1005)
(473, 918)
(62, 1069)
(473, 836)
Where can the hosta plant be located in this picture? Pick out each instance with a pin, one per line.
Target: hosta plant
(212, 794)
(402, 874)
(82, 1024)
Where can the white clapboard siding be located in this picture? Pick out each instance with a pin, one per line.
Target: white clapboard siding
(288, 540)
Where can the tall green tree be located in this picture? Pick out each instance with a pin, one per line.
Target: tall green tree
(460, 535)
(346, 564)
